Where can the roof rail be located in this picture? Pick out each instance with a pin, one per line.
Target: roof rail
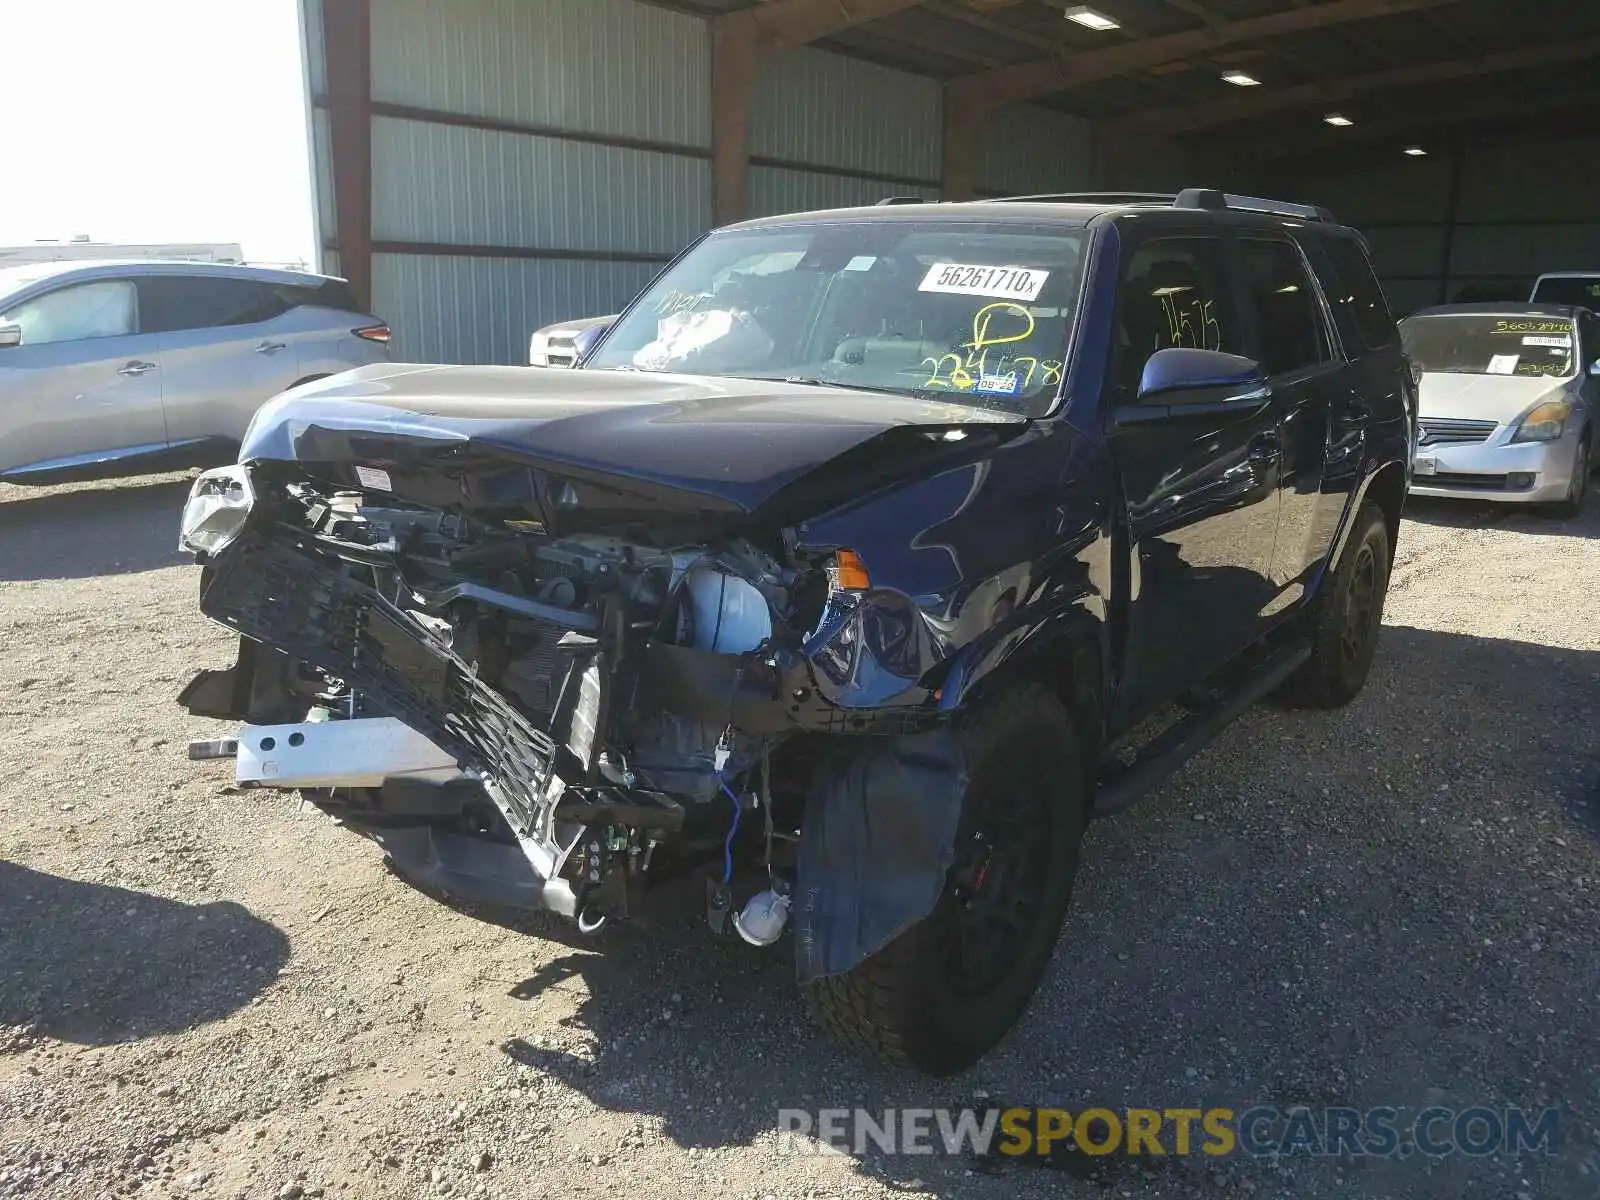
(899, 200)
(1088, 198)
(1214, 198)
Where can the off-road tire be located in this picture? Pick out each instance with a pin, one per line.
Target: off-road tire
(906, 1003)
(1343, 641)
(1582, 465)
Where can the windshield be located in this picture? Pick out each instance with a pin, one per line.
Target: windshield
(973, 311)
(1581, 290)
(1487, 345)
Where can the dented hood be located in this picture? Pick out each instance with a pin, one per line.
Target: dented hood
(732, 444)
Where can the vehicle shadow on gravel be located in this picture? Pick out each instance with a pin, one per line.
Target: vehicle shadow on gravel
(1348, 908)
(1519, 518)
(113, 529)
(95, 964)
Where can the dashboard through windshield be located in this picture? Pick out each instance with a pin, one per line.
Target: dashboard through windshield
(976, 312)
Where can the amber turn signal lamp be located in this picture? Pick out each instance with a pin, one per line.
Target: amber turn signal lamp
(849, 572)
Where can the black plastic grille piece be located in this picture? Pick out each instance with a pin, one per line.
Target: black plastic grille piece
(309, 605)
(1435, 430)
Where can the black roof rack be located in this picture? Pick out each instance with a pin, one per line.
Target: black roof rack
(1087, 198)
(1204, 198)
(1213, 198)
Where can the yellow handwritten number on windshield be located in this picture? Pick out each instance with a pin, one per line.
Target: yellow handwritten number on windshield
(976, 358)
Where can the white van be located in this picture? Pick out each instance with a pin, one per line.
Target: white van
(1581, 288)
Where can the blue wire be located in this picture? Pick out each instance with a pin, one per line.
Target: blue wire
(727, 846)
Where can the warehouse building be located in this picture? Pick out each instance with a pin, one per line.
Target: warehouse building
(485, 167)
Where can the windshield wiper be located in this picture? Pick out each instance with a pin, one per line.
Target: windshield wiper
(808, 381)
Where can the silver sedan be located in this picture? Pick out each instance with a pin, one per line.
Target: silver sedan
(1508, 401)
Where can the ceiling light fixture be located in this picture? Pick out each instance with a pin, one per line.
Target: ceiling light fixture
(1336, 119)
(1415, 151)
(1240, 79)
(1091, 18)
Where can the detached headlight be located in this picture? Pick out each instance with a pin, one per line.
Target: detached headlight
(218, 504)
(539, 349)
(1544, 422)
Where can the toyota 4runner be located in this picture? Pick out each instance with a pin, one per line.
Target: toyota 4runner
(867, 555)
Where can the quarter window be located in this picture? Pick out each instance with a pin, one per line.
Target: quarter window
(1173, 292)
(105, 308)
(1281, 296)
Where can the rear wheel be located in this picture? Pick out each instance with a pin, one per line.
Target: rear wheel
(1345, 619)
(943, 993)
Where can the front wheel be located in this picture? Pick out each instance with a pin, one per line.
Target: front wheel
(944, 992)
(1345, 619)
(1581, 466)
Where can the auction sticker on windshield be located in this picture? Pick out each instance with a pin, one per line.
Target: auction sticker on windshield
(1005, 283)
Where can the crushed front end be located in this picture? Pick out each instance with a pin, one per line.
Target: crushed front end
(592, 703)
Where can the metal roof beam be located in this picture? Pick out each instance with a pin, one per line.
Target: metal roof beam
(782, 24)
(1194, 117)
(986, 90)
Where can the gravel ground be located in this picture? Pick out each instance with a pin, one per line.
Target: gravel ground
(210, 993)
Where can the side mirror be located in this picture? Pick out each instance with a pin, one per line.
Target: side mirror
(1179, 382)
(586, 340)
(1594, 367)
(10, 335)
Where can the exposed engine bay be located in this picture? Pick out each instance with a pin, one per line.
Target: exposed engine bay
(599, 702)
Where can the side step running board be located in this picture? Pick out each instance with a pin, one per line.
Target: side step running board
(1176, 746)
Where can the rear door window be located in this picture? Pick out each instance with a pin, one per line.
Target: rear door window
(1353, 292)
(169, 303)
(1283, 302)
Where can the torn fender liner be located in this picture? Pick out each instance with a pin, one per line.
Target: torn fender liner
(878, 840)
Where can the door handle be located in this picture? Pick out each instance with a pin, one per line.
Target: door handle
(1265, 449)
(136, 367)
(1354, 415)
(269, 347)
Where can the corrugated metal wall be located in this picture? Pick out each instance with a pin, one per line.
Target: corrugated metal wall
(502, 201)
(481, 187)
(829, 131)
(454, 309)
(552, 209)
(1520, 210)
(1028, 149)
(600, 66)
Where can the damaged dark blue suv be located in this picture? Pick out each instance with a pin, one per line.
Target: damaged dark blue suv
(868, 555)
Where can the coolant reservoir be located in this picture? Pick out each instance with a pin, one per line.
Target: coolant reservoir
(730, 615)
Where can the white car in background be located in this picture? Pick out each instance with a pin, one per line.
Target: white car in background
(123, 368)
(1581, 288)
(562, 344)
(1508, 401)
